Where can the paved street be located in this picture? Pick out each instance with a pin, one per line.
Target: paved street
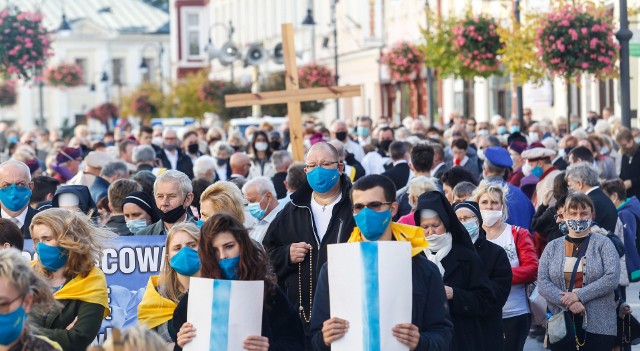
(632, 295)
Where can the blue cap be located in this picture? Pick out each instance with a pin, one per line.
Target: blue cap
(499, 156)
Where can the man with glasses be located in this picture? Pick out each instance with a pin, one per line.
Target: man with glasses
(319, 214)
(15, 192)
(374, 204)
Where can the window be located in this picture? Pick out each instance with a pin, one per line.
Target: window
(149, 74)
(117, 70)
(82, 62)
(192, 27)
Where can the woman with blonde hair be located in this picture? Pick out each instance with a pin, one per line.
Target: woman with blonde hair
(21, 292)
(164, 291)
(221, 196)
(67, 246)
(517, 243)
(132, 339)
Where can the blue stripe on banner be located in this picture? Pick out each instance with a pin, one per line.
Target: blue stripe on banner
(220, 315)
(371, 300)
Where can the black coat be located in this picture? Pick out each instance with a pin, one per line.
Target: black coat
(429, 310)
(561, 164)
(351, 161)
(118, 225)
(183, 165)
(278, 183)
(606, 213)
(544, 223)
(473, 297)
(399, 174)
(630, 170)
(497, 267)
(295, 224)
(27, 222)
(280, 323)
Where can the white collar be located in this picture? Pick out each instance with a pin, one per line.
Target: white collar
(399, 162)
(436, 168)
(21, 217)
(592, 189)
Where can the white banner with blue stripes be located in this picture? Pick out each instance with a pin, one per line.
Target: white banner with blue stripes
(370, 287)
(224, 313)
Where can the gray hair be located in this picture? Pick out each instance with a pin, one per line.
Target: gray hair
(114, 167)
(203, 165)
(143, 153)
(221, 146)
(175, 176)
(264, 185)
(583, 172)
(418, 186)
(281, 158)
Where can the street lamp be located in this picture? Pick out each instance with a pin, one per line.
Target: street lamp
(65, 28)
(430, 94)
(334, 23)
(144, 67)
(310, 22)
(623, 36)
(229, 52)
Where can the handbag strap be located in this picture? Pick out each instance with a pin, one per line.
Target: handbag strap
(583, 250)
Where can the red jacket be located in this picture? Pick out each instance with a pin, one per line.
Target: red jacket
(528, 271)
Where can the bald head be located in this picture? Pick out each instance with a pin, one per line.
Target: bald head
(14, 169)
(323, 149)
(240, 163)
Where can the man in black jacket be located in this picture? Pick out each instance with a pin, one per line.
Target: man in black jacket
(430, 327)
(400, 172)
(15, 192)
(583, 177)
(319, 214)
(630, 165)
(172, 156)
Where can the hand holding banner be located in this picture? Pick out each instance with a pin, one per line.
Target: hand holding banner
(224, 313)
(370, 287)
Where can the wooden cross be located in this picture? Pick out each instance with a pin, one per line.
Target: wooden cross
(293, 95)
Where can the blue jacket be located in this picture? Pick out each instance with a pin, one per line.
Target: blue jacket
(629, 214)
(430, 313)
(519, 206)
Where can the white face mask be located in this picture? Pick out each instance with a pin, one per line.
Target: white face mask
(261, 146)
(439, 241)
(526, 169)
(156, 141)
(490, 218)
(481, 154)
(533, 137)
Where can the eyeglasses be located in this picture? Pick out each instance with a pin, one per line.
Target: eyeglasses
(325, 165)
(560, 216)
(375, 206)
(465, 219)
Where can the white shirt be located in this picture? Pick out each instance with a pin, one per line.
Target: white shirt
(592, 189)
(373, 163)
(21, 217)
(322, 215)
(222, 172)
(354, 148)
(517, 303)
(260, 228)
(173, 159)
(436, 168)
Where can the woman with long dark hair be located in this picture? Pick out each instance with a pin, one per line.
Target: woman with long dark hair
(260, 156)
(227, 252)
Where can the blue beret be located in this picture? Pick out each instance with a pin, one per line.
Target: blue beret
(499, 156)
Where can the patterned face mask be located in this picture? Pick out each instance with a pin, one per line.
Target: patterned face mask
(578, 225)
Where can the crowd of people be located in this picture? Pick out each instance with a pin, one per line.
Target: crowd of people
(497, 212)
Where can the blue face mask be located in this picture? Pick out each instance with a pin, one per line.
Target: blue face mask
(229, 267)
(502, 130)
(363, 132)
(200, 223)
(11, 325)
(255, 210)
(322, 180)
(136, 225)
(372, 224)
(14, 197)
(514, 129)
(52, 257)
(472, 229)
(186, 262)
(537, 171)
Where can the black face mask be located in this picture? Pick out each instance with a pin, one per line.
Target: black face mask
(384, 145)
(274, 145)
(173, 215)
(221, 161)
(342, 136)
(193, 148)
(237, 148)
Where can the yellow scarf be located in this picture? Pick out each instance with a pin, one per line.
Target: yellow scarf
(92, 289)
(401, 232)
(154, 309)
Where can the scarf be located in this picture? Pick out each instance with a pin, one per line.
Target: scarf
(400, 232)
(92, 289)
(154, 309)
(439, 247)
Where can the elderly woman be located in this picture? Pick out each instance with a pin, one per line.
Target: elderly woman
(467, 287)
(517, 243)
(585, 287)
(417, 186)
(67, 248)
(21, 292)
(496, 267)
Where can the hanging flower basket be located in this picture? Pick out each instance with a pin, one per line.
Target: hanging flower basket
(403, 60)
(25, 43)
(579, 39)
(66, 75)
(314, 75)
(142, 106)
(8, 94)
(211, 91)
(478, 44)
(103, 112)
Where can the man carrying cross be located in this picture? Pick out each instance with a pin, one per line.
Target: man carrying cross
(319, 214)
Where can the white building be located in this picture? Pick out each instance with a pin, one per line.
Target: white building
(108, 39)
(366, 28)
